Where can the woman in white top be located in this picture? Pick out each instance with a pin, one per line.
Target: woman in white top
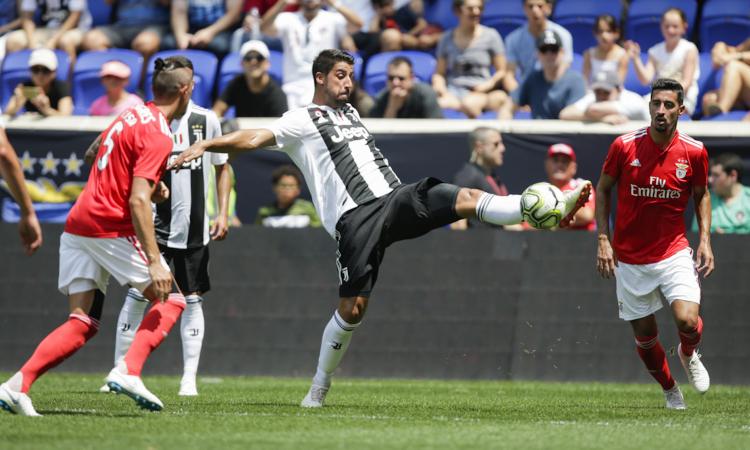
(608, 55)
(675, 58)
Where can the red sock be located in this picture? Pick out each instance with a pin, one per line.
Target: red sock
(691, 339)
(58, 346)
(154, 328)
(653, 356)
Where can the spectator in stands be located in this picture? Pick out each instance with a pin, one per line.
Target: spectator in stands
(675, 58)
(203, 25)
(608, 55)
(393, 29)
(9, 21)
(253, 11)
(115, 76)
(555, 86)
(486, 151)
(734, 91)
(561, 168)
(139, 24)
(521, 42)
(465, 56)
(253, 93)
(730, 199)
(288, 211)
(62, 26)
(44, 93)
(304, 34)
(607, 102)
(404, 97)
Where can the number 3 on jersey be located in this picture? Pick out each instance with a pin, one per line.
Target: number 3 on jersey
(109, 144)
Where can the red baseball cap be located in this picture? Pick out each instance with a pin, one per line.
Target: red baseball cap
(561, 149)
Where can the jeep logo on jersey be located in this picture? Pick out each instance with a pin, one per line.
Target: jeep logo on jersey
(349, 133)
(196, 164)
(681, 170)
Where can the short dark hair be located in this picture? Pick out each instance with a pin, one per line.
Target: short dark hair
(167, 80)
(398, 60)
(668, 84)
(730, 162)
(381, 3)
(610, 20)
(286, 170)
(326, 59)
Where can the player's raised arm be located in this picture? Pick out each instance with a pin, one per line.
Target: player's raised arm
(704, 256)
(238, 141)
(605, 257)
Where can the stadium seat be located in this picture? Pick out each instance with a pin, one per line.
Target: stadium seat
(503, 15)
(455, 114)
(579, 17)
(375, 72)
(577, 64)
(724, 20)
(101, 12)
(631, 78)
(86, 86)
(205, 65)
(644, 17)
(440, 12)
(15, 69)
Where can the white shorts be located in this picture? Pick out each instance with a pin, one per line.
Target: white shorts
(86, 263)
(641, 287)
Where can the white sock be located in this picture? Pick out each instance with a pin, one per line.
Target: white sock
(128, 322)
(336, 337)
(499, 209)
(192, 329)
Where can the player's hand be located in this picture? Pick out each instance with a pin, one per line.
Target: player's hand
(704, 259)
(31, 233)
(161, 280)
(219, 229)
(161, 193)
(194, 152)
(605, 258)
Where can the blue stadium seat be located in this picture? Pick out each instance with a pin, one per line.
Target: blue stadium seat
(15, 69)
(101, 12)
(644, 16)
(455, 114)
(577, 64)
(579, 17)
(724, 20)
(503, 15)
(205, 65)
(86, 86)
(631, 78)
(375, 72)
(440, 12)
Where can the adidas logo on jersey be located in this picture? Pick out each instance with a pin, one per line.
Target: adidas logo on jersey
(635, 163)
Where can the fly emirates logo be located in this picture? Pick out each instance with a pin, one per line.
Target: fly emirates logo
(656, 189)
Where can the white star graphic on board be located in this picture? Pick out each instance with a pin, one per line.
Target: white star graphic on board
(27, 163)
(49, 164)
(73, 165)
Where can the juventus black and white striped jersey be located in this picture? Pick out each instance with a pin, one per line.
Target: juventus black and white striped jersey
(182, 222)
(337, 155)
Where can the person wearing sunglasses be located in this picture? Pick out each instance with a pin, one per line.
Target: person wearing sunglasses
(553, 87)
(404, 97)
(43, 93)
(253, 93)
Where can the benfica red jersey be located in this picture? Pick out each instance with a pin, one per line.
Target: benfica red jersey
(136, 144)
(653, 190)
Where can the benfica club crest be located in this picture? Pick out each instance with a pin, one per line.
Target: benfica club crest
(681, 170)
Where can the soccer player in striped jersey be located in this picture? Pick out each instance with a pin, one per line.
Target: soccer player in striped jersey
(183, 234)
(359, 198)
(657, 171)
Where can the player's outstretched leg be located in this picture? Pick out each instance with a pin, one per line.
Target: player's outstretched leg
(192, 330)
(691, 359)
(575, 200)
(13, 400)
(128, 321)
(336, 338)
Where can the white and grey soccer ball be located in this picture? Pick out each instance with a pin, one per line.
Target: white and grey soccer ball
(542, 205)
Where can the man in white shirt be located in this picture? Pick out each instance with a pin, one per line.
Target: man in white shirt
(607, 102)
(303, 35)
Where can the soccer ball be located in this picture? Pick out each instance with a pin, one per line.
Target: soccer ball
(542, 205)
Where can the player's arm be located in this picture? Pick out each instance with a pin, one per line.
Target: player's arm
(605, 257)
(10, 169)
(223, 188)
(236, 142)
(704, 256)
(92, 151)
(143, 222)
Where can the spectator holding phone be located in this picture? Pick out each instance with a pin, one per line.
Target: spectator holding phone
(43, 93)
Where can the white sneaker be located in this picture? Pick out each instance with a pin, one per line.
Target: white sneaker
(575, 200)
(188, 387)
(315, 397)
(695, 370)
(133, 387)
(16, 402)
(674, 398)
(105, 389)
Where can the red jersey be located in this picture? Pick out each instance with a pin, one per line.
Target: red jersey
(136, 144)
(653, 190)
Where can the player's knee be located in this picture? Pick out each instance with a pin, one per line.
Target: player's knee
(466, 199)
(687, 322)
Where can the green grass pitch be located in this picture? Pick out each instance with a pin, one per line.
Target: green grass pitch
(245, 412)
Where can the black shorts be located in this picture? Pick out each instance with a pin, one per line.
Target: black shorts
(363, 233)
(190, 267)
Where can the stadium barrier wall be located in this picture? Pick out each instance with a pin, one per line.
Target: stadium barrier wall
(483, 304)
